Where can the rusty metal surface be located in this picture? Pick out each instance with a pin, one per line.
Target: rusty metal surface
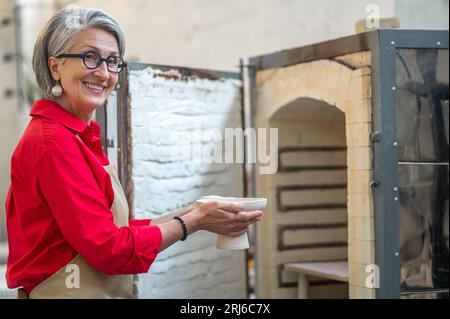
(324, 50)
(123, 118)
(184, 73)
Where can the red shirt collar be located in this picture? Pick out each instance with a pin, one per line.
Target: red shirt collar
(51, 110)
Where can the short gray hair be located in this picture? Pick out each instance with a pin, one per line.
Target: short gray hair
(60, 34)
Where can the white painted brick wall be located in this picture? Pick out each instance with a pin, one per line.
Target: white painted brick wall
(163, 113)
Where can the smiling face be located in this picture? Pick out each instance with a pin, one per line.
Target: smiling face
(85, 89)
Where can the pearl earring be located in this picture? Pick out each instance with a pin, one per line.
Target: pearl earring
(57, 89)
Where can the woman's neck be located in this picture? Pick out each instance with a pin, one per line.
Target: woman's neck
(67, 105)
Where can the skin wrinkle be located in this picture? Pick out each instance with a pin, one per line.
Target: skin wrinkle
(78, 99)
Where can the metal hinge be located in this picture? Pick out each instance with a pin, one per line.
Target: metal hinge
(373, 184)
(375, 137)
(109, 142)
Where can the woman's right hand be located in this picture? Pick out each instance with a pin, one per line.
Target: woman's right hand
(227, 219)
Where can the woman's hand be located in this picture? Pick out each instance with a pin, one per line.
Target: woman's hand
(221, 218)
(165, 218)
(187, 209)
(227, 219)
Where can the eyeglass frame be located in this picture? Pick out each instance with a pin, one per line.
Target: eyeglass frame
(82, 57)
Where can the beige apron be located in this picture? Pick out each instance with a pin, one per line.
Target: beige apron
(93, 284)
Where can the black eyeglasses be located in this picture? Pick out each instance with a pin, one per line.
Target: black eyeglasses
(93, 60)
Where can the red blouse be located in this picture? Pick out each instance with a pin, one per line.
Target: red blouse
(59, 201)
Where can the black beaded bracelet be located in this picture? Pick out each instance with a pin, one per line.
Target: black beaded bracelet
(185, 232)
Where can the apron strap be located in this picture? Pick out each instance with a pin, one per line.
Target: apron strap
(22, 294)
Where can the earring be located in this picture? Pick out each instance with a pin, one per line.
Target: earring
(57, 89)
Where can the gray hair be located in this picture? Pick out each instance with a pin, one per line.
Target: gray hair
(59, 35)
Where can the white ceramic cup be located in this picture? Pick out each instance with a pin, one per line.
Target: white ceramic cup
(250, 204)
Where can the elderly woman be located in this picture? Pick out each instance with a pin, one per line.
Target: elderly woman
(65, 208)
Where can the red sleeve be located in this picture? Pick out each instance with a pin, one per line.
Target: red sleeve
(82, 214)
(139, 222)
